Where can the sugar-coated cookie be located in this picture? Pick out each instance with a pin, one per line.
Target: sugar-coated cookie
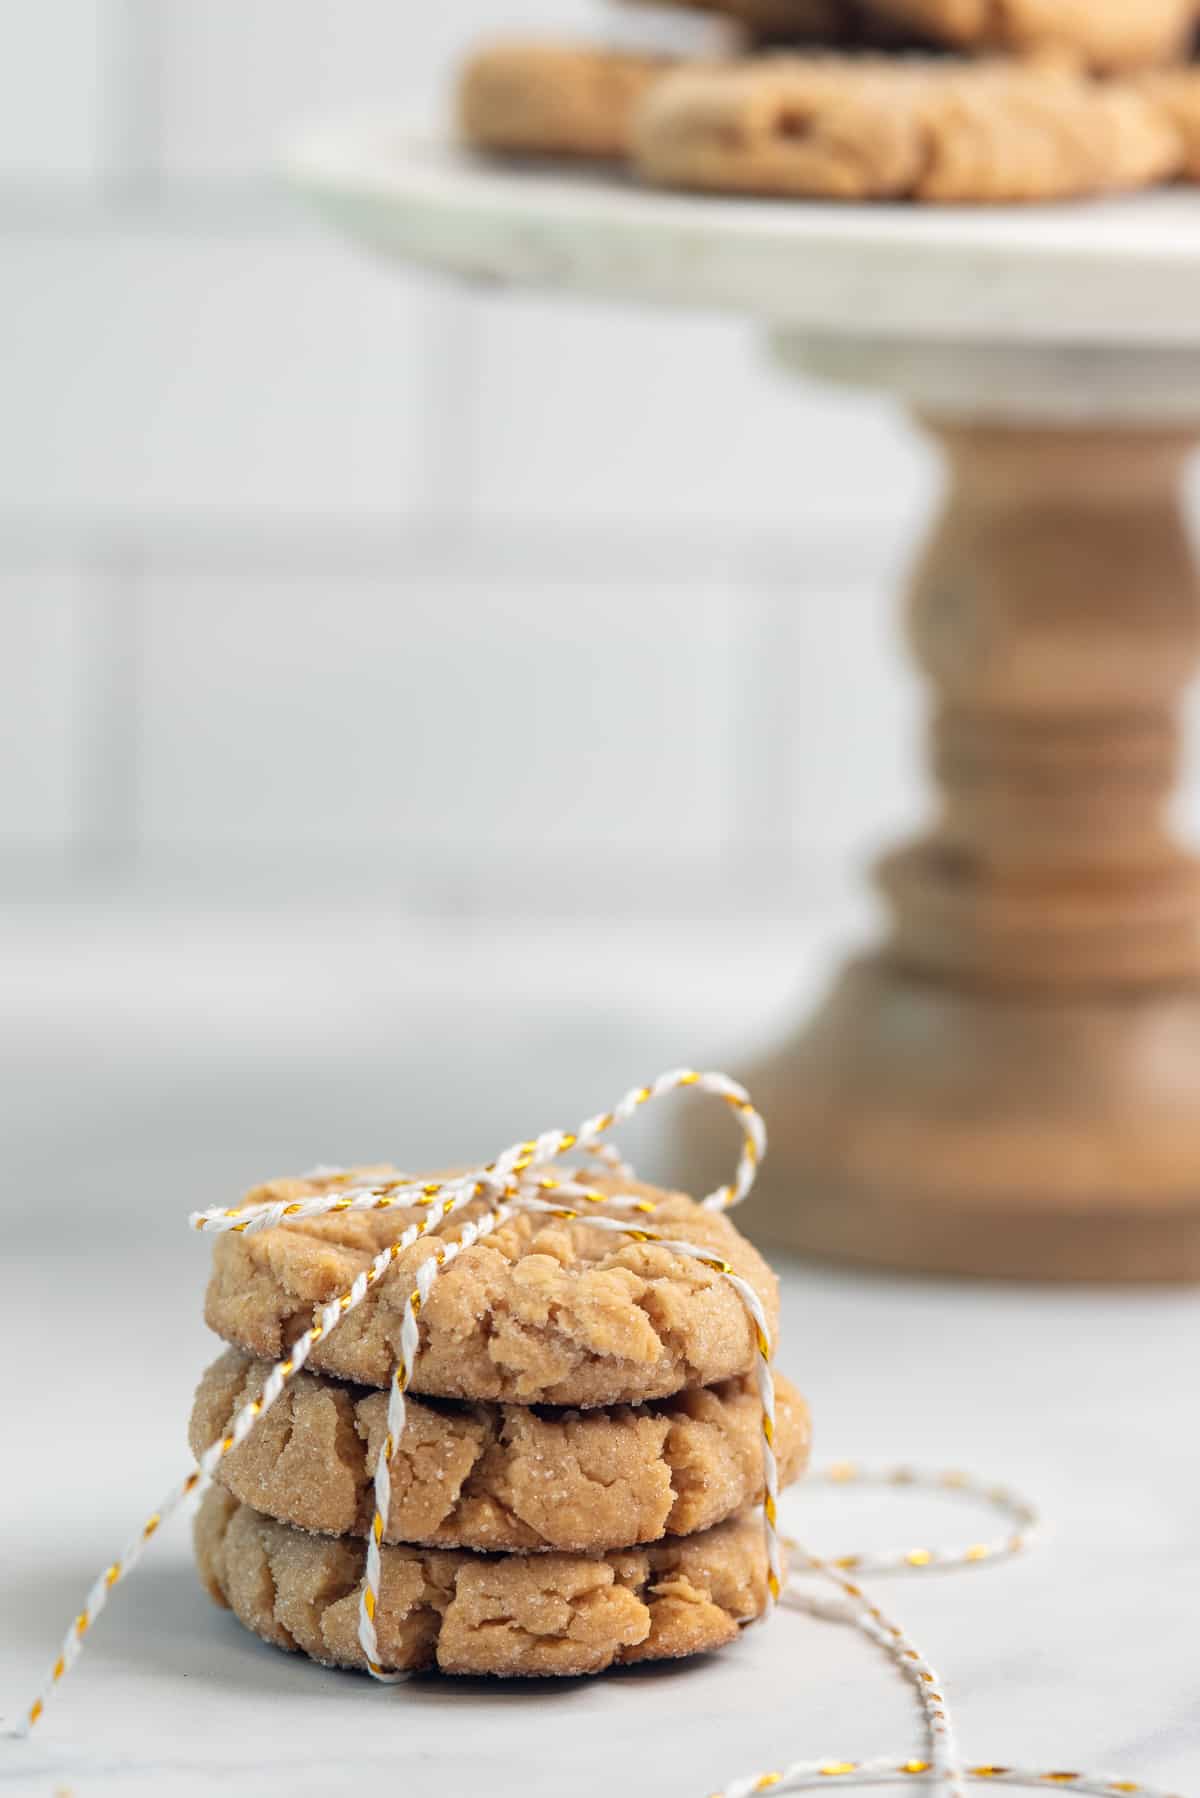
(543, 1311)
(498, 1477)
(466, 1613)
(535, 99)
(837, 127)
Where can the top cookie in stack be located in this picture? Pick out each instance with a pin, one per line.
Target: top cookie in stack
(577, 1478)
(947, 100)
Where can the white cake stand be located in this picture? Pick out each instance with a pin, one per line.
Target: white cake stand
(1010, 1085)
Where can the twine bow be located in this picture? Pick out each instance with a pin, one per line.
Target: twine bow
(520, 1180)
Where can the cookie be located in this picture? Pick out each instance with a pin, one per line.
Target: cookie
(533, 99)
(498, 1477)
(1176, 92)
(1105, 35)
(513, 1615)
(862, 129)
(543, 1311)
(805, 22)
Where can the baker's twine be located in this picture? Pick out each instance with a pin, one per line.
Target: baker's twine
(526, 1178)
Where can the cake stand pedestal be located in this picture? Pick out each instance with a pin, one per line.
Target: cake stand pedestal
(1010, 1084)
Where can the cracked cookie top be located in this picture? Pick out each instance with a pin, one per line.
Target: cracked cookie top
(542, 1311)
(498, 1477)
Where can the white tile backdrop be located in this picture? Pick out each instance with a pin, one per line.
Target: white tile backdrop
(311, 571)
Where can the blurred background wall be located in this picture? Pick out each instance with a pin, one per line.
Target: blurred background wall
(254, 488)
(326, 590)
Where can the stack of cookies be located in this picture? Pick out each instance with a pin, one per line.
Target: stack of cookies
(932, 100)
(578, 1480)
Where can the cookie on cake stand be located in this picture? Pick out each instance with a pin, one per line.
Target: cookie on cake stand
(1007, 1084)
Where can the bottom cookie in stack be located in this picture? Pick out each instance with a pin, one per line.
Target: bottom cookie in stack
(464, 1612)
(520, 1540)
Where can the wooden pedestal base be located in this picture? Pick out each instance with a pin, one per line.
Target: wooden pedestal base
(925, 1125)
(1011, 1086)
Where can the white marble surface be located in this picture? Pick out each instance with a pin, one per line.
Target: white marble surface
(142, 1075)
